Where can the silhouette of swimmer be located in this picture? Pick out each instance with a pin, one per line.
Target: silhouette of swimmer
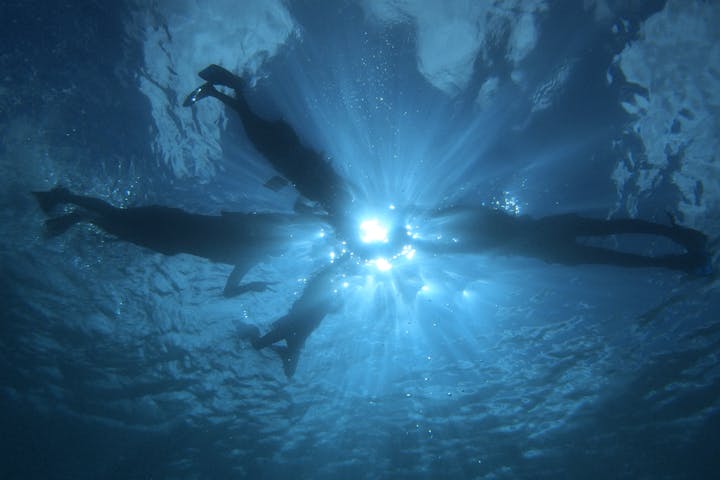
(311, 174)
(555, 239)
(238, 239)
(319, 299)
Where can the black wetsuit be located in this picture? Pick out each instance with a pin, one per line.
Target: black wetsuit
(557, 238)
(306, 169)
(239, 239)
(320, 297)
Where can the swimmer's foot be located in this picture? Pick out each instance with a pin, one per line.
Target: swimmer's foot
(698, 251)
(699, 264)
(289, 359)
(693, 240)
(204, 90)
(704, 266)
(217, 75)
(58, 225)
(50, 199)
(248, 332)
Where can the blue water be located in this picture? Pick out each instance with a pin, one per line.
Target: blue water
(116, 362)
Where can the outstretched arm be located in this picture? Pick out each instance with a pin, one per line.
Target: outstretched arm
(233, 287)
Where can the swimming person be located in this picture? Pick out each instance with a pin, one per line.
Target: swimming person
(304, 168)
(238, 239)
(320, 298)
(559, 239)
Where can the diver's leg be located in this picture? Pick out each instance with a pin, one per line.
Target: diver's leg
(217, 75)
(96, 210)
(693, 240)
(248, 331)
(95, 205)
(58, 225)
(575, 226)
(247, 287)
(233, 287)
(578, 226)
(234, 278)
(276, 334)
(250, 119)
(289, 356)
(48, 200)
(258, 129)
(198, 94)
(277, 141)
(583, 254)
(273, 336)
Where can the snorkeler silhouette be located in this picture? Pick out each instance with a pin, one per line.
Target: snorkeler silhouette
(306, 169)
(558, 239)
(239, 239)
(320, 298)
(555, 239)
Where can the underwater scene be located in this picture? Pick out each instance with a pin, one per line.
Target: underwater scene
(360, 239)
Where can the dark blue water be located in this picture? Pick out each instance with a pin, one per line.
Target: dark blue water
(116, 362)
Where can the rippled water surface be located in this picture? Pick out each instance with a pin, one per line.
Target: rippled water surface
(117, 362)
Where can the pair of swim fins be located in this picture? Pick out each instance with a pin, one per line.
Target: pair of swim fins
(213, 75)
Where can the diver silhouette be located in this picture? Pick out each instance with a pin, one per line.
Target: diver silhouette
(558, 239)
(306, 169)
(238, 239)
(320, 298)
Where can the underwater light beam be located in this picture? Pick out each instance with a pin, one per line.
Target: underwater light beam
(372, 231)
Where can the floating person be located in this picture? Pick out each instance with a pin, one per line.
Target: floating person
(306, 169)
(558, 239)
(238, 239)
(321, 297)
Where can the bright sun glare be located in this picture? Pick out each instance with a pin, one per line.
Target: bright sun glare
(372, 231)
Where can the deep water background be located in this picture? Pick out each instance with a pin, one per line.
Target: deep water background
(116, 362)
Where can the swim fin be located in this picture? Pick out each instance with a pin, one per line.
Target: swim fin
(704, 267)
(289, 359)
(276, 183)
(693, 240)
(48, 200)
(217, 75)
(204, 90)
(248, 331)
(58, 225)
